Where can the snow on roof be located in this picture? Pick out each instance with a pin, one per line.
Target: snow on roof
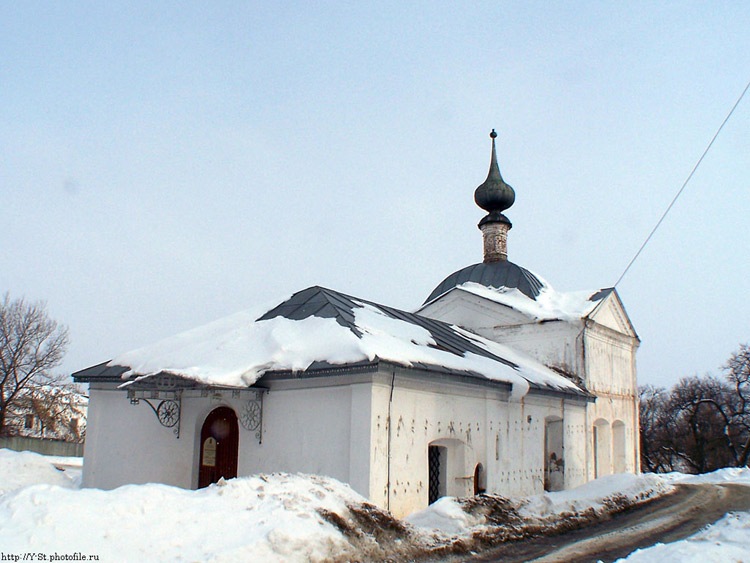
(320, 325)
(549, 304)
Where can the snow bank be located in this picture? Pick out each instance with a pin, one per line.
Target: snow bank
(726, 540)
(548, 305)
(597, 494)
(727, 475)
(21, 469)
(237, 350)
(296, 518)
(263, 518)
(448, 516)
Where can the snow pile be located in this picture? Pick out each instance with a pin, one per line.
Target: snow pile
(445, 517)
(21, 469)
(726, 540)
(548, 305)
(296, 518)
(237, 350)
(266, 518)
(450, 516)
(599, 494)
(727, 475)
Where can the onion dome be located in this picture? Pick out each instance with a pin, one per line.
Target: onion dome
(494, 195)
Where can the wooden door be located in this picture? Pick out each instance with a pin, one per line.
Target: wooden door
(218, 447)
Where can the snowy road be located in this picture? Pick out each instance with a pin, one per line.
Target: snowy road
(669, 518)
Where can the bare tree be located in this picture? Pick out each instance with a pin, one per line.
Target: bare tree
(658, 448)
(738, 374)
(31, 345)
(705, 408)
(701, 424)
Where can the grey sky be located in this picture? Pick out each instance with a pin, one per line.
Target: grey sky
(161, 167)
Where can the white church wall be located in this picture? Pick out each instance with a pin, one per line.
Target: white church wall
(611, 376)
(339, 426)
(554, 343)
(126, 444)
(311, 430)
(471, 311)
(575, 438)
(322, 430)
(423, 412)
(475, 425)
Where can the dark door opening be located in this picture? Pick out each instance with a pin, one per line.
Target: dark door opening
(480, 486)
(433, 462)
(219, 447)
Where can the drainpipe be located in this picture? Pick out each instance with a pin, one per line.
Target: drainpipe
(388, 464)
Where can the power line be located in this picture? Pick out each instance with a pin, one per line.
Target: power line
(685, 183)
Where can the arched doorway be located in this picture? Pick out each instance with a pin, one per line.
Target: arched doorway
(554, 463)
(446, 472)
(218, 447)
(437, 463)
(480, 481)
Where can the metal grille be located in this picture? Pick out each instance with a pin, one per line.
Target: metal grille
(433, 462)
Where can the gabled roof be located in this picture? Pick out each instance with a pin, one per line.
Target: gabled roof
(318, 328)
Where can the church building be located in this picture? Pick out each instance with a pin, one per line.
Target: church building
(497, 383)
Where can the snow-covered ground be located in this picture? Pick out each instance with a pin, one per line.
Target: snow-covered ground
(283, 517)
(728, 540)
(21, 469)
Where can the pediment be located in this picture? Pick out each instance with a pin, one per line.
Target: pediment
(610, 312)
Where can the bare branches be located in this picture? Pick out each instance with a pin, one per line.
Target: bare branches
(31, 345)
(701, 424)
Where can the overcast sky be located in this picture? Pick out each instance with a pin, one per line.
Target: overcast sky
(163, 166)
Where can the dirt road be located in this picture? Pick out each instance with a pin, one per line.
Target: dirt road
(669, 518)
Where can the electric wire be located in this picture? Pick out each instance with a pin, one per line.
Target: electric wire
(685, 183)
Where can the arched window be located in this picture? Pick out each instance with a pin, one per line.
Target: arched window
(602, 448)
(618, 446)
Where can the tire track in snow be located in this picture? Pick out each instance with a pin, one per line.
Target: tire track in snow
(669, 518)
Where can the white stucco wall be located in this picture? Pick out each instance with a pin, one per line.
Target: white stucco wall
(611, 376)
(126, 444)
(476, 424)
(554, 343)
(600, 349)
(309, 430)
(370, 430)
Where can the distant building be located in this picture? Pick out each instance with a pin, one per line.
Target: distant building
(497, 383)
(56, 412)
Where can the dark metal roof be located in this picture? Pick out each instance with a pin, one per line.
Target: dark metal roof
(100, 372)
(492, 274)
(321, 302)
(601, 294)
(327, 303)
